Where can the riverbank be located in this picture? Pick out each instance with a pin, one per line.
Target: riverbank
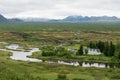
(43, 71)
(34, 54)
(86, 58)
(66, 35)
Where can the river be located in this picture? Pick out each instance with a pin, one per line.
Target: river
(23, 56)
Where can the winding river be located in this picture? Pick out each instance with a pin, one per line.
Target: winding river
(22, 56)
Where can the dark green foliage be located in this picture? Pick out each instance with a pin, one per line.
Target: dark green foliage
(62, 77)
(117, 52)
(80, 51)
(62, 52)
(92, 45)
(108, 48)
(100, 45)
(86, 51)
(48, 51)
(25, 35)
(112, 49)
(117, 55)
(78, 79)
(59, 51)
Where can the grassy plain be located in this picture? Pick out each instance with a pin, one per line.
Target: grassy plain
(18, 70)
(56, 33)
(67, 34)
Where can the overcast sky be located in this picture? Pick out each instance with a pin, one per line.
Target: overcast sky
(59, 8)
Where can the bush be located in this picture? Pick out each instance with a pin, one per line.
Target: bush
(78, 79)
(60, 52)
(61, 77)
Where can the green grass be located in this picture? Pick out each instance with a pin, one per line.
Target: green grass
(18, 70)
(42, 34)
(42, 26)
(45, 33)
(88, 58)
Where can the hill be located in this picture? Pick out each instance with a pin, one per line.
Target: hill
(92, 18)
(3, 19)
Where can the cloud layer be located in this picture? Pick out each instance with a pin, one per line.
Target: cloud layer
(59, 8)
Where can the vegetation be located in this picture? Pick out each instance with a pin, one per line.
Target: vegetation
(108, 48)
(80, 51)
(109, 53)
(54, 40)
(59, 52)
(18, 70)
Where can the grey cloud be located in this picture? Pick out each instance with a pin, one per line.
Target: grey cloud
(54, 8)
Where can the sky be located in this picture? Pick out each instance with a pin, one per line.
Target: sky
(58, 9)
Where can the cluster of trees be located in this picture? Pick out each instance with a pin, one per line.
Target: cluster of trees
(108, 48)
(59, 51)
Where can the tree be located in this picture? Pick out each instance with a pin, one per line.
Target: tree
(117, 55)
(48, 51)
(62, 52)
(106, 50)
(100, 45)
(86, 51)
(117, 51)
(80, 51)
(111, 49)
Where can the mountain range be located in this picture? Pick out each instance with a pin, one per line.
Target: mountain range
(92, 18)
(3, 19)
(67, 19)
(74, 19)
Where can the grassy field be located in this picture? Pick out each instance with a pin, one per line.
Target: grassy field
(18, 70)
(54, 34)
(56, 27)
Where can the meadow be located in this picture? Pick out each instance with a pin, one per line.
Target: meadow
(60, 32)
(19, 70)
(59, 26)
(40, 34)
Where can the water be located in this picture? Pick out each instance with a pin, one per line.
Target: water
(85, 64)
(99, 65)
(3, 43)
(13, 46)
(23, 56)
(17, 55)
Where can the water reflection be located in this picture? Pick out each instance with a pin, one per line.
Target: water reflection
(23, 56)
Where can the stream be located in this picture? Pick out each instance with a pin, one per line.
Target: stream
(23, 56)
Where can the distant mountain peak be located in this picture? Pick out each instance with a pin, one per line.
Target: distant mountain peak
(92, 18)
(3, 19)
